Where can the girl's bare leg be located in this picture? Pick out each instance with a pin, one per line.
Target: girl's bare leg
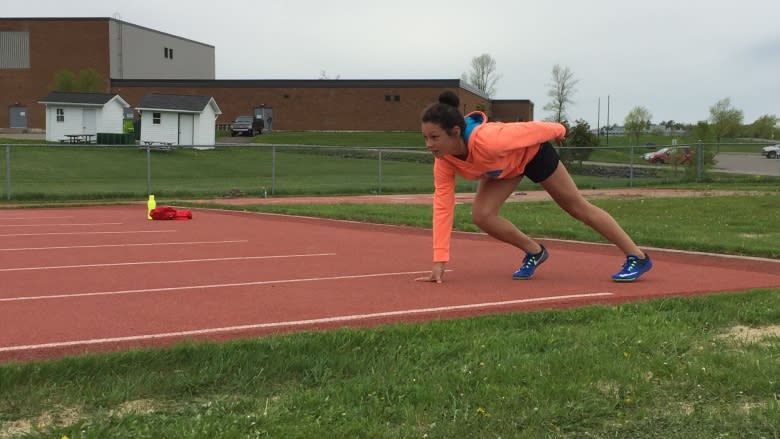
(491, 195)
(562, 189)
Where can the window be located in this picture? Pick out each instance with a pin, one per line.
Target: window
(14, 50)
(60, 115)
(156, 118)
(392, 98)
(168, 53)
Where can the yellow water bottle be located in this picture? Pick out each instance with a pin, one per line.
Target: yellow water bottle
(150, 205)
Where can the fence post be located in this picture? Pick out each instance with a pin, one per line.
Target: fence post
(273, 170)
(631, 167)
(8, 172)
(699, 161)
(148, 170)
(379, 191)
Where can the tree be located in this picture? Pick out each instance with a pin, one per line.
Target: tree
(561, 91)
(701, 130)
(64, 80)
(483, 74)
(764, 127)
(636, 122)
(726, 120)
(324, 75)
(88, 80)
(579, 142)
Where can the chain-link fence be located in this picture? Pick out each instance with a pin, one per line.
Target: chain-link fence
(87, 172)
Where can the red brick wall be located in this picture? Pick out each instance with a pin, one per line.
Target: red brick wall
(55, 45)
(76, 44)
(327, 108)
(512, 111)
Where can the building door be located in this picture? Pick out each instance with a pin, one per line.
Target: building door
(186, 129)
(267, 114)
(17, 116)
(88, 121)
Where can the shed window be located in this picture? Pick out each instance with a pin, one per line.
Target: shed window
(392, 98)
(60, 115)
(156, 118)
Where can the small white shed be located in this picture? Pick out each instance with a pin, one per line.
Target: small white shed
(178, 119)
(71, 113)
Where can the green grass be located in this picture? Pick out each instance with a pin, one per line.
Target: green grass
(745, 225)
(664, 368)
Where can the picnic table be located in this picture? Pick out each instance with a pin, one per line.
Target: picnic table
(79, 138)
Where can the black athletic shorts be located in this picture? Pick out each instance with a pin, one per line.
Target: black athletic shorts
(543, 164)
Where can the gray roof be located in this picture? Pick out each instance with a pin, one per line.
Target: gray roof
(160, 101)
(68, 97)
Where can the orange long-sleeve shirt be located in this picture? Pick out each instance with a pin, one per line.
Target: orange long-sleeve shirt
(496, 150)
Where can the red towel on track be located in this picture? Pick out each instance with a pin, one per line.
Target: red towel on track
(169, 213)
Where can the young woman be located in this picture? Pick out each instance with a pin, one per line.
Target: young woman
(500, 154)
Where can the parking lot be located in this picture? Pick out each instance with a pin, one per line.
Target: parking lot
(747, 163)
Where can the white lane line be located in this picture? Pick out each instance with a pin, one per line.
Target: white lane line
(32, 218)
(175, 261)
(88, 233)
(61, 224)
(68, 247)
(298, 323)
(206, 286)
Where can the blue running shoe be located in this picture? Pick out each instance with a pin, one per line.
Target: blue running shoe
(530, 262)
(633, 268)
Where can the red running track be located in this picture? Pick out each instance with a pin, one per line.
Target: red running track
(77, 280)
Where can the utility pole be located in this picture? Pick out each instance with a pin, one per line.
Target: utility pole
(608, 126)
(598, 120)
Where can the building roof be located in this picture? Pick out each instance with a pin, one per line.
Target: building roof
(180, 103)
(68, 97)
(298, 83)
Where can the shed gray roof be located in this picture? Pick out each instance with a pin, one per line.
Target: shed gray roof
(160, 101)
(68, 97)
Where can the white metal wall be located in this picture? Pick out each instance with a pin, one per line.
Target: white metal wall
(205, 127)
(139, 53)
(167, 131)
(111, 119)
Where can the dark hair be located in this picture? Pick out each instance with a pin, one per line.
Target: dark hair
(445, 113)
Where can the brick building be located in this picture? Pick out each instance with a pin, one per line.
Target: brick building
(133, 60)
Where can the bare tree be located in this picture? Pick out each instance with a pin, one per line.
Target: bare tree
(483, 74)
(324, 75)
(561, 91)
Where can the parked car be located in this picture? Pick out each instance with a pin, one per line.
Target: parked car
(246, 125)
(771, 152)
(669, 154)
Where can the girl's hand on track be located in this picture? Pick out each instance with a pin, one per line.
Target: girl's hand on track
(436, 274)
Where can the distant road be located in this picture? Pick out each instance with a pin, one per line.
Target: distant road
(745, 163)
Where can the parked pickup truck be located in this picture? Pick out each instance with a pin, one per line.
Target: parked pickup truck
(771, 152)
(246, 125)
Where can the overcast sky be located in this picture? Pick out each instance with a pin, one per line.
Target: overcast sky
(676, 58)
